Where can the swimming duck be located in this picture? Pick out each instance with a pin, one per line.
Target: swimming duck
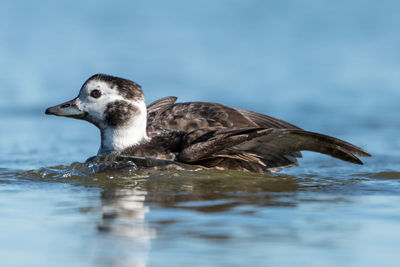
(208, 134)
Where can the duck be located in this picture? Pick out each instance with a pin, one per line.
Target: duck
(205, 134)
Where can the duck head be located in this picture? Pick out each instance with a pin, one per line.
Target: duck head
(115, 105)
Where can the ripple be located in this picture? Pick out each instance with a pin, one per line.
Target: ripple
(385, 175)
(168, 183)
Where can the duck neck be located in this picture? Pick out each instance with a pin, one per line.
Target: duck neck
(118, 138)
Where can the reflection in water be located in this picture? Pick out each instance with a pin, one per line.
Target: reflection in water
(146, 216)
(217, 191)
(124, 236)
(123, 214)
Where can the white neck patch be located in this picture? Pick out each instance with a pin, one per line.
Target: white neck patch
(130, 134)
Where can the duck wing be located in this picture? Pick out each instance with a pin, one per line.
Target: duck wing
(164, 115)
(261, 149)
(191, 116)
(266, 121)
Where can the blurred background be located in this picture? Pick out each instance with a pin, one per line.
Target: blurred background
(327, 66)
(330, 66)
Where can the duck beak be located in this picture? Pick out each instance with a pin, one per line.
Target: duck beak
(67, 109)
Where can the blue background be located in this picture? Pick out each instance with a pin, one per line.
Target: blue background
(326, 66)
(291, 59)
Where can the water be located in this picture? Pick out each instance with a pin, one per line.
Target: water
(326, 66)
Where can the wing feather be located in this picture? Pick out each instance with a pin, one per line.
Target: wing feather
(265, 147)
(162, 104)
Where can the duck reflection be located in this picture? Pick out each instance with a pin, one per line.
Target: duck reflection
(124, 213)
(123, 224)
(127, 201)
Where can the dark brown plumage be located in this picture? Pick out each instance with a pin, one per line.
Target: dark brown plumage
(119, 112)
(214, 135)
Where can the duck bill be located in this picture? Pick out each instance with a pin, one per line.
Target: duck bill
(67, 109)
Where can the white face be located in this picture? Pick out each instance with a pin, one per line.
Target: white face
(115, 105)
(95, 96)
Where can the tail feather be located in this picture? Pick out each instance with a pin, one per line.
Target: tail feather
(286, 142)
(333, 142)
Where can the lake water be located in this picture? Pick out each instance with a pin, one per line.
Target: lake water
(330, 67)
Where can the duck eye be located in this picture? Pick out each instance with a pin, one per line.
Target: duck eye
(95, 93)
